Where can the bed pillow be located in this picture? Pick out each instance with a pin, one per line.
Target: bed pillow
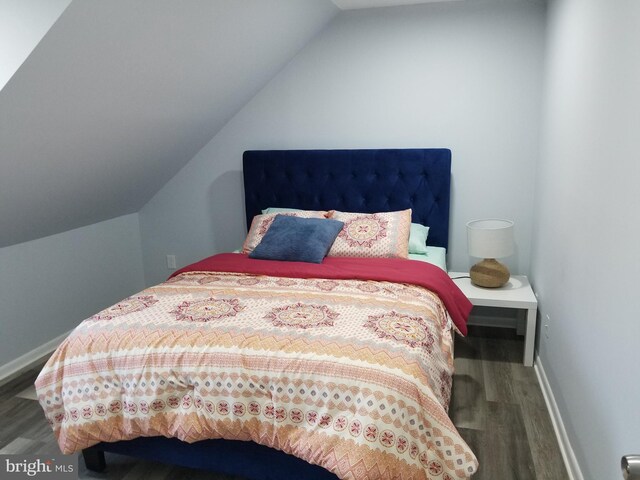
(261, 224)
(417, 236)
(296, 239)
(418, 239)
(372, 235)
(281, 210)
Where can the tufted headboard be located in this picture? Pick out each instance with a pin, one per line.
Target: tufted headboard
(364, 181)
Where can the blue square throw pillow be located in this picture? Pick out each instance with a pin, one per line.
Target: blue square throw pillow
(296, 239)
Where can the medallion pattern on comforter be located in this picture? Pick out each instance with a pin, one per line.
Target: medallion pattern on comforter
(352, 375)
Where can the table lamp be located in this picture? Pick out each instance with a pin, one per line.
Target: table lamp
(490, 239)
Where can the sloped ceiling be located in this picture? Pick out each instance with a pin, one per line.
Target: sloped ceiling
(357, 4)
(119, 95)
(23, 23)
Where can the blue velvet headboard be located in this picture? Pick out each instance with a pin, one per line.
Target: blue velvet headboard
(364, 181)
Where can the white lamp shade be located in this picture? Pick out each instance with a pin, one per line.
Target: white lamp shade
(490, 238)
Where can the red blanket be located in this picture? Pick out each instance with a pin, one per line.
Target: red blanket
(345, 268)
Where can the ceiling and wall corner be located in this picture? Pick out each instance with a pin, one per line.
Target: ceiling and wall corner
(23, 23)
(119, 95)
(358, 4)
(112, 102)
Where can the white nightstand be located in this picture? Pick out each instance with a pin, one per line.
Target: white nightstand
(517, 293)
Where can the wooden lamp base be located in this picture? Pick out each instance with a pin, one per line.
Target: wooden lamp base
(489, 273)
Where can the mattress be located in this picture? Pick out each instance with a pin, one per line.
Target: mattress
(435, 255)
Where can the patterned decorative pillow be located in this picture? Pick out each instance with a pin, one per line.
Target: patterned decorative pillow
(384, 234)
(261, 223)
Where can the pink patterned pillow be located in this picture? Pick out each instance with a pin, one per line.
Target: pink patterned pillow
(261, 223)
(372, 234)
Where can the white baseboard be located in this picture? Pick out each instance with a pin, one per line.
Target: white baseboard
(570, 461)
(10, 370)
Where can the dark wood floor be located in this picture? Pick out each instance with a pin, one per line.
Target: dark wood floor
(497, 406)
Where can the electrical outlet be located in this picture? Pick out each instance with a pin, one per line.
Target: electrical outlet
(546, 326)
(171, 262)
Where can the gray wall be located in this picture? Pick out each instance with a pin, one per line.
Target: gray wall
(49, 285)
(586, 260)
(462, 75)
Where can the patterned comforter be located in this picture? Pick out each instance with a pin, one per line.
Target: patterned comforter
(350, 374)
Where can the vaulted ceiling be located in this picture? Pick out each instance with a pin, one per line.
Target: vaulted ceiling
(356, 4)
(119, 95)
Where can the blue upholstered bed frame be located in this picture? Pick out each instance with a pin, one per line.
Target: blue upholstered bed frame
(348, 180)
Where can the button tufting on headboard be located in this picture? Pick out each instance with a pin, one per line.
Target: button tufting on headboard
(365, 181)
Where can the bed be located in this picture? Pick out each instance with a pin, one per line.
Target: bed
(317, 410)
